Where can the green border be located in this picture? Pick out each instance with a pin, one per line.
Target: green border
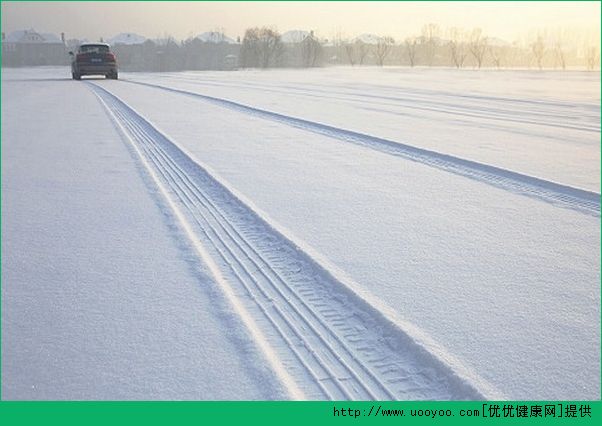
(279, 412)
(289, 413)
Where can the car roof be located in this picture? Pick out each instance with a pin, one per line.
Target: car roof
(95, 44)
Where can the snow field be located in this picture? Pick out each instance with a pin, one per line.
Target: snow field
(305, 313)
(371, 234)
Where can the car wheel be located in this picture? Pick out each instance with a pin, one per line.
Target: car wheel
(76, 76)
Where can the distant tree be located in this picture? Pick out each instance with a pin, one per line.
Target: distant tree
(411, 45)
(560, 54)
(383, 48)
(261, 47)
(498, 55)
(457, 46)
(270, 47)
(478, 46)
(560, 48)
(172, 55)
(148, 59)
(336, 49)
(592, 56)
(362, 50)
(538, 48)
(311, 50)
(207, 55)
(350, 52)
(429, 41)
(249, 50)
(515, 54)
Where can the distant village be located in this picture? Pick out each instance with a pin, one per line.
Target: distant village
(267, 48)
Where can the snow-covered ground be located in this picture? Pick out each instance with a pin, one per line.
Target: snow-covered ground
(100, 299)
(335, 233)
(544, 124)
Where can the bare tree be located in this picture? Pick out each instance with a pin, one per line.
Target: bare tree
(362, 49)
(338, 42)
(311, 50)
(411, 46)
(478, 46)
(498, 54)
(261, 47)
(350, 52)
(590, 48)
(560, 54)
(560, 48)
(457, 46)
(249, 50)
(538, 48)
(429, 39)
(383, 47)
(270, 47)
(592, 56)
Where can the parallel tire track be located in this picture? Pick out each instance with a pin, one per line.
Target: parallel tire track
(332, 344)
(565, 196)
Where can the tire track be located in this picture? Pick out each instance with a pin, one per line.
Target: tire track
(564, 196)
(331, 343)
(420, 103)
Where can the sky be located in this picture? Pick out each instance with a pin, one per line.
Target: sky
(91, 20)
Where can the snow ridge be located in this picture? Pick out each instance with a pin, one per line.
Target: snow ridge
(565, 196)
(325, 340)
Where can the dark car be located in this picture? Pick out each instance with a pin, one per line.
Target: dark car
(93, 59)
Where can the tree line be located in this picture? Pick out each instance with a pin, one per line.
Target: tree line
(264, 47)
(460, 48)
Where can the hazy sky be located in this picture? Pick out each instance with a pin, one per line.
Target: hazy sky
(91, 20)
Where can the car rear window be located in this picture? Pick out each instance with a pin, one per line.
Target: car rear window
(94, 48)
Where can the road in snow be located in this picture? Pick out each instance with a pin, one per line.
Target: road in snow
(471, 289)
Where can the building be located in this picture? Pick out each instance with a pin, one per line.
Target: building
(30, 48)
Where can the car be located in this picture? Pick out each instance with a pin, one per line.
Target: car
(93, 59)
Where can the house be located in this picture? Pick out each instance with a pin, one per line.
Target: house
(212, 50)
(215, 37)
(294, 36)
(128, 39)
(302, 48)
(30, 48)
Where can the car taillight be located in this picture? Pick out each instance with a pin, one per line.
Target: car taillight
(79, 56)
(110, 57)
